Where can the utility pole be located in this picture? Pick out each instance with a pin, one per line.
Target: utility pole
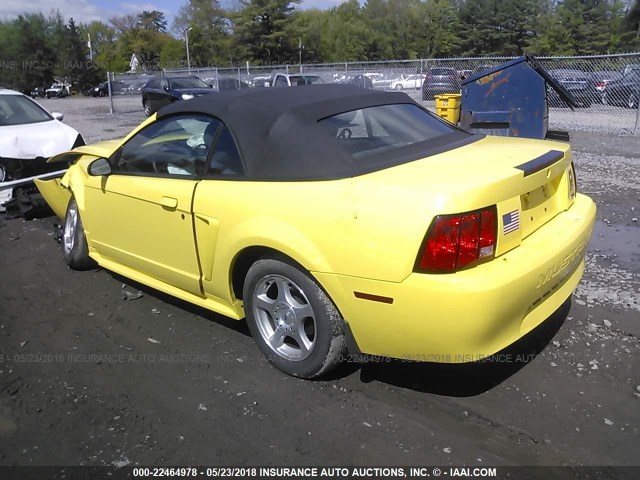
(89, 45)
(186, 37)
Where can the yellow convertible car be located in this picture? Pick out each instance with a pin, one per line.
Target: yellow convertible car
(337, 220)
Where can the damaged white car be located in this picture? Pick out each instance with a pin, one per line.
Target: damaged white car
(29, 135)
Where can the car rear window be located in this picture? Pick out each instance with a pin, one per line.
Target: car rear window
(305, 79)
(188, 83)
(442, 71)
(383, 128)
(19, 110)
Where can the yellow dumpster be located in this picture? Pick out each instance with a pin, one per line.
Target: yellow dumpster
(448, 106)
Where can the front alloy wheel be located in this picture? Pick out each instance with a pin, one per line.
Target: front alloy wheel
(74, 243)
(147, 108)
(294, 323)
(632, 101)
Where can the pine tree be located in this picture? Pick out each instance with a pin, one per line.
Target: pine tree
(261, 26)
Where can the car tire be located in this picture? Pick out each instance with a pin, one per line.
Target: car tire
(101, 93)
(75, 251)
(147, 108)
(632, 101)
(293, 321)
(604, 98)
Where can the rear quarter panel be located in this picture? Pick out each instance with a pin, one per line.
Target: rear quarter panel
(308, 221)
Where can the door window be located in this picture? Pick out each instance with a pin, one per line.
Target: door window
(226, 158)
(281, 81)
(175, 146)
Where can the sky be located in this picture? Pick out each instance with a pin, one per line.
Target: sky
(84, 11)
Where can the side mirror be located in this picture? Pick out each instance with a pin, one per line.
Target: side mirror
(100, 167)
(57, 115)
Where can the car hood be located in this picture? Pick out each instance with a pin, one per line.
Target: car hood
(100, 149)
(43, 139)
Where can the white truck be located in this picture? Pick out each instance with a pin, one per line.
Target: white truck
(59, 90)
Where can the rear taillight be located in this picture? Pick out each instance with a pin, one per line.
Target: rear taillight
(457, 241)
(601, 84)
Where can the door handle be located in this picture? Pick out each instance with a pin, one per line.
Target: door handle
(169, 202)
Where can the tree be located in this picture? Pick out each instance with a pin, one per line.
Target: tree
(631, 37)
(34, 55)
(142, 35)
(152, 20)
(261, 26)
(209, 37)
(438, 29)
(73, 63)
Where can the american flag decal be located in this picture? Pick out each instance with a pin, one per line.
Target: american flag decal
(510, 222)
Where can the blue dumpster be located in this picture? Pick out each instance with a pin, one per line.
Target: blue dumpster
(511, 100)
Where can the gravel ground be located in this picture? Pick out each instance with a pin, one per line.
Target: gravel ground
(87, 378)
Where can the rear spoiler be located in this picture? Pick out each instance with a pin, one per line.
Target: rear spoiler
(25, 181)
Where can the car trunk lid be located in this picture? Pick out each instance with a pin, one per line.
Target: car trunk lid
(527, 180)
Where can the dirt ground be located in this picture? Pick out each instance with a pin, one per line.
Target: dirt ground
(87, 378)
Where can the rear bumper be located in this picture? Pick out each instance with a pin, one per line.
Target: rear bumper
(472, 314)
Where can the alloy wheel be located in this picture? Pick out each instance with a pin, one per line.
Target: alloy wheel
(284, 317)
(69, 233)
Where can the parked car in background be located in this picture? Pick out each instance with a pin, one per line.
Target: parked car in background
(134, 87)
(374, 75)
(102, 90)
(292, 80)
(38, 92)
(59, 90)
(625, 91)
(362, 81)
(383, 82)
(29, 136)
(162, 91)
(577, 83)
(440, 80)
(407, 82)
(260, 81)
(602, 79)
(224, 84)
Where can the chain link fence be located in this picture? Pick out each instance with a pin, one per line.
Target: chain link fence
(607, 87)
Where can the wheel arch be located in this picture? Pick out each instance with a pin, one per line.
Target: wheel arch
(248, 256)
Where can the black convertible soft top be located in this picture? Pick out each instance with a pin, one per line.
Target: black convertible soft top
(279, 138)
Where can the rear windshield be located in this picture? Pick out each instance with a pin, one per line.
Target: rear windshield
(19, 110)
(384, 128)
(188, 83)
(305, 79)
(442, 71)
